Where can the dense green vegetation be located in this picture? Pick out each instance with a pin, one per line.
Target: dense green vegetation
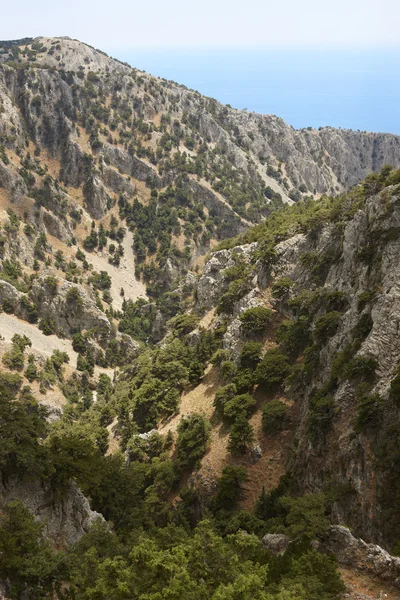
(163, 538)
(154, 549)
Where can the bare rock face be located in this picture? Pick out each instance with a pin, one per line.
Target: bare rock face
(130, 165)
(12, 182)
(276, 543)
(9, 294)
(117, 183)
(233, 339)
(355, 553)
(65, 519)
(72, 163)
(53, 225)
(128, 346)
(68, 313)
(212, 284)
(96, 197)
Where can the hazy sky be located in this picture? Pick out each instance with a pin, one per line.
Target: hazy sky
(121, 24)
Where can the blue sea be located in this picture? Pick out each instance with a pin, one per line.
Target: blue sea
(351, 88)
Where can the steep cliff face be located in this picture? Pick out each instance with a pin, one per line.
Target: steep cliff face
(333, 289)
(364, 264)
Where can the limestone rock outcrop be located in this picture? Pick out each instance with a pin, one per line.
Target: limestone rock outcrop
(65, 519)
(357, 554)
(70, 312)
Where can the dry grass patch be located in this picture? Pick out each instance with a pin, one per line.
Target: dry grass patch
(371, 587)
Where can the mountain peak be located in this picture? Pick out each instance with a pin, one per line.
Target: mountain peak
(60, 53)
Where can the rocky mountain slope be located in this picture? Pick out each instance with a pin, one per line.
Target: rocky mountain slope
(332, 289)
(167, 371)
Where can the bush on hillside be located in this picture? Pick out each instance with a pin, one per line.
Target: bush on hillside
(281, 287)
(250, 355)
(255, 320)
(274, 417)
(193, 436)
(326, 326)
(241, 435)
(273, 369)
(238, 406)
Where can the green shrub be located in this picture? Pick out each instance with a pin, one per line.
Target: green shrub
(294, 336)
(274, 417)
(306, 517)
(169, 303)
(31, 372)
(47, 326)
(192, 442)
(239, 405)
(273, 369)
(361, 368)
(30, 308)
(22, 428)
(137, 319)
(319, 263)
(321, 413)
(85, 362)
(370, 409)
(311, 360)
(250, 355)
(51, 285)
(8, 306)
(367, 254)
(183, 324)
(104, 387)
(240, 436)
(21, 342)
(237, 289)
(229, 487)
(27, 560)
(228, 370)
(220, 356)
(79, 343)
(316, 576)
(365, 298)
(281, 288)
(14, 359)
(11, 269)
(74, 299)
(326, 326)
(244, 380)
(100, 281)
(363, 327)
(255, 320)
(222, 396)
(10, 384)
(334, 301)
(91, 241)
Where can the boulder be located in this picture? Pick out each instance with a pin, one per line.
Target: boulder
(276, 543)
